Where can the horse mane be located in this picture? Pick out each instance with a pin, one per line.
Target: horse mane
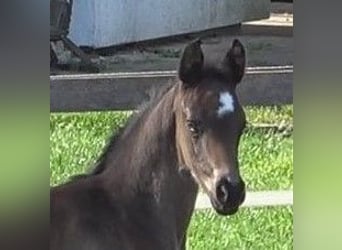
(156, 94)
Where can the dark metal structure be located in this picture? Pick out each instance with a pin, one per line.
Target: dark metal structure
(60, 16)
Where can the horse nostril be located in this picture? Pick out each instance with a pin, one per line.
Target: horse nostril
(227, 192)
(222, 192)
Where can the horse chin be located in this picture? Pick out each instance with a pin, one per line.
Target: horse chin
(224, 209)
(227, 211)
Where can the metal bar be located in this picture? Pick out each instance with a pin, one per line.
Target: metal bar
(254, 199)
(168, 73)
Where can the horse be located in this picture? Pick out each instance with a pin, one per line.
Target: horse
(142, 192)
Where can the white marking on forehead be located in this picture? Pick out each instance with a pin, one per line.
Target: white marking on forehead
(226, 104)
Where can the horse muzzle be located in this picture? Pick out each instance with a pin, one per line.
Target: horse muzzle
(228, 196)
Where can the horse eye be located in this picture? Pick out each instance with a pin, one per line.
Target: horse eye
(194, 127)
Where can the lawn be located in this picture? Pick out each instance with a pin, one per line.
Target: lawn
(249, 229)
(76, 140)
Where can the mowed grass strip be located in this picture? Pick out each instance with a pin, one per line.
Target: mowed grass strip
(266, 160)
(270, 114)
(250, 228)
(76, 140)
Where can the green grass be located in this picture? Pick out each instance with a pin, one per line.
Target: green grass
(266, 160)
(270, 114)
(249, 229)
(76, 140)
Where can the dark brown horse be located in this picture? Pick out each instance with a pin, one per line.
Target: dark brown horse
(142, 192)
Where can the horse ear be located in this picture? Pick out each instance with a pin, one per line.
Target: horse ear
(235, 61)
(191, 63)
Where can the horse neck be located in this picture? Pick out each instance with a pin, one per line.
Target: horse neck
(145, 164)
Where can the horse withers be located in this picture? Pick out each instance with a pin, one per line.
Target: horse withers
(142, 192)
